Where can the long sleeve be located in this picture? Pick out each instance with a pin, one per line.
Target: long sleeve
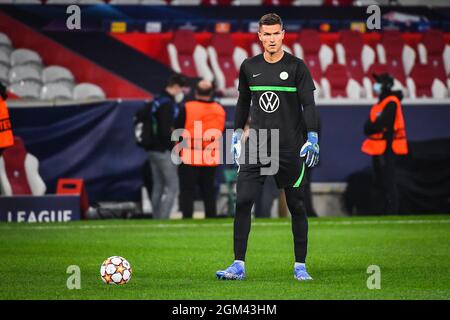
(310, 114)
(243, 103)
(305, 90)
(181, 119)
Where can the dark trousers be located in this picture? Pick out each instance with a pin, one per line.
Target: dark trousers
(190, 177)
(384, 167)
(247, 191)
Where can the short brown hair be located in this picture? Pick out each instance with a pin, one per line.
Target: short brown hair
(270, 19)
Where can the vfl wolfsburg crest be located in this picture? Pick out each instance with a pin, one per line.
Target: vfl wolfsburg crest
(269, 101)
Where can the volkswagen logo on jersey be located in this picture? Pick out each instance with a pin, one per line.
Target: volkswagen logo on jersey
(269, 101)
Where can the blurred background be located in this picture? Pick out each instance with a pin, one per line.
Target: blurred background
(73, 93)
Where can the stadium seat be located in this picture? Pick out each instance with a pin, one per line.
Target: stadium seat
(124, 2)
(226, 60)
(216, 2)
(393, 51)
(26, 89)
(19, 172)
(436, 53)
(25, 56)
(307, 2)
(316, 55)
(85, 91)
(338, 83)
(246, 2)
(352, 52)
(188, 57)
(52, 74)
(4, 74)
(4, 39)
(24, 73)
(5, 45)
(186, 2)
(379, 68)
(4, 58)
(56, 91)
(277, 2)
(423, 83)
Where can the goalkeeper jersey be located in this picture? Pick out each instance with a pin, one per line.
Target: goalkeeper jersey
(275, 91)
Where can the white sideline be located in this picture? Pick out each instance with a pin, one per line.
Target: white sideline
(196, 225)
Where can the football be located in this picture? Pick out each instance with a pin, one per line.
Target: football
(115, 270)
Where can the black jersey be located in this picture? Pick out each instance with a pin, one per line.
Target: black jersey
(276, 90)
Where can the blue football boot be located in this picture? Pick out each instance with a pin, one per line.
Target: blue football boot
(234, 272)
(300, 273)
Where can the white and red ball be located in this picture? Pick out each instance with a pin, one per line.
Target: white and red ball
(115, 270)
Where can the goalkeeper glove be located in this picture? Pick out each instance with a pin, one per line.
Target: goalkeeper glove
(236, 146)
(311, 150)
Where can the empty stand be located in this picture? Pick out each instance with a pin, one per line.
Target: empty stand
(436, 53)
(85, 91)
(188, 57)
(352, 52)
(225, 60)
(338, 83)
(29, 90)
(25, 56)
(422, 83)
(56, 91)
(399, 57)
(26, 72)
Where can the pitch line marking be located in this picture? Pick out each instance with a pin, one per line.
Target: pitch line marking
(196, 225)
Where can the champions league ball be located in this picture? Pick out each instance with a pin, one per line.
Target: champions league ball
(115, 270)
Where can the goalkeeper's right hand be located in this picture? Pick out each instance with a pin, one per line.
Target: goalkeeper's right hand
(236, 146)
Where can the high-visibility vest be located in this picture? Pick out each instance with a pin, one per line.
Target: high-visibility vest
(6, 134)
(376, 144)
(203, 128)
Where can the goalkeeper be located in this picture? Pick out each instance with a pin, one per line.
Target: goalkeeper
(276, 91)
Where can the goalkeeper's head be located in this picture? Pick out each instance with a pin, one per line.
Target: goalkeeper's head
(271, 33)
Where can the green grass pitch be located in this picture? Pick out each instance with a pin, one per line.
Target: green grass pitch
(178, 259)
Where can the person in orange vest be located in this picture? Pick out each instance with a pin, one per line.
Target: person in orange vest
(203, 121)
(6, 134)
(386, 138)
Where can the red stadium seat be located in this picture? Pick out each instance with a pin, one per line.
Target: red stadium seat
(315, 54)
(352, 52)
(19, 172)
(225, 60)
(188, 57)
(423, 83)
(396, 54)
(436, 53)
(338, 83)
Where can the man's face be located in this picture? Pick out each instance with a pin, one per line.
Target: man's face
(271, 38)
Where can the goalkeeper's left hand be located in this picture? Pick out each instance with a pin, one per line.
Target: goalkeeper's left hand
(311, 149)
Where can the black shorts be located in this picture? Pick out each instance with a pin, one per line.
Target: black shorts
(290, 173)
